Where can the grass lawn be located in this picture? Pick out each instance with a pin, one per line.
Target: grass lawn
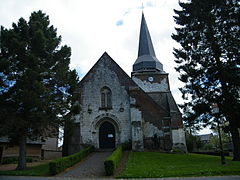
(155, 164)
(38, 170)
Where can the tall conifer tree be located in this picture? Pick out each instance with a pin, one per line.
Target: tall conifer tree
(36, 82)
(208, 61)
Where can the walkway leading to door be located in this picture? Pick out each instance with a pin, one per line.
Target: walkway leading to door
(92, 167)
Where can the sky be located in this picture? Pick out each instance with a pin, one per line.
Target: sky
(92, 27)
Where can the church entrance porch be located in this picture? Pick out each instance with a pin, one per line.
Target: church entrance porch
(106, 135)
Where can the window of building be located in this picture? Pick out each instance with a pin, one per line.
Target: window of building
(106, 98)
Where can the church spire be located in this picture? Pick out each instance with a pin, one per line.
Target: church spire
(145, 46)
(146, 60)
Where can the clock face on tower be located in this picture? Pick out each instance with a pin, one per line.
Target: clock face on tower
(150, 79)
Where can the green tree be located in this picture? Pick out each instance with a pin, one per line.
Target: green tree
(36, 82)
(208, 61)
(193, 142)
(226, 140)
(68, 124)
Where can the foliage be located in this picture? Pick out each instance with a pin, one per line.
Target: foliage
(69, 124)
(208, 147)
(13, 160)
(39, 170)
(158, 165)
(51, 168)
(58, 165)
(226, 139)
(193, 142)
(208, 62)
(111, 163)
(36, 84)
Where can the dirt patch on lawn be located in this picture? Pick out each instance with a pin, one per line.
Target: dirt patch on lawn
(122, 164)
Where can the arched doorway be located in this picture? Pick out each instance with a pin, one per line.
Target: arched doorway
(106, 135)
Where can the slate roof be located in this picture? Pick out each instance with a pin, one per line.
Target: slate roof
(145, 42)
(166, 100)
(146, 55)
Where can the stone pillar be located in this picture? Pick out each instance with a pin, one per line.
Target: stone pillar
(137, 129)
(178, 138)
(178, 134)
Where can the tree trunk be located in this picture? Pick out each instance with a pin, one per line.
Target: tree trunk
(22, 153)
(236, 142)
(65, 142)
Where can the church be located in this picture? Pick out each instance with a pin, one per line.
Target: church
(117, 109)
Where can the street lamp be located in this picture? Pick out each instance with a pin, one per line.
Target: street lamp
(215, 110)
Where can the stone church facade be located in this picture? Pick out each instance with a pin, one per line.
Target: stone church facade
(116, 108)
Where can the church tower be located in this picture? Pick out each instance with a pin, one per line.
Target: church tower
(115, 109)
(148, 71)
(149, 75)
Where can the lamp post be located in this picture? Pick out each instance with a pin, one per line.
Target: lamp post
(215, 110)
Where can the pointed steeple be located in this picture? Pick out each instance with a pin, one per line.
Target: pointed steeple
(145, 46)
(146, 60)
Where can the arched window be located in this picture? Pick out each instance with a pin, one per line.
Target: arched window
(106, 98)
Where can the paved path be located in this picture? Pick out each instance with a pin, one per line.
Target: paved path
(92, 167)
(70, 178)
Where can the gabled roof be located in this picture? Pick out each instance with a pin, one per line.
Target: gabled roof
(124, 79)
(146, 55)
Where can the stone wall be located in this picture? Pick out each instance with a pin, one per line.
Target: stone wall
(153, 120)
(152, 82)
(137, 126)
(91, 113)
(135, 115)
(178, 138)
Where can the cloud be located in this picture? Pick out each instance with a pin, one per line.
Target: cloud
(119, 23)
(127, 12)
(150, 4)
(79, 72)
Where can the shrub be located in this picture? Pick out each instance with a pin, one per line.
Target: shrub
(208, 147)
(14, 160)
(112, 161)
(60, 164)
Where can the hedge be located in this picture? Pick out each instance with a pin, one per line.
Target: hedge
(112, 161)
(14, 160)
(60, 164)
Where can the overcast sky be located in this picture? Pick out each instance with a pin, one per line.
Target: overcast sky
(92, 27)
